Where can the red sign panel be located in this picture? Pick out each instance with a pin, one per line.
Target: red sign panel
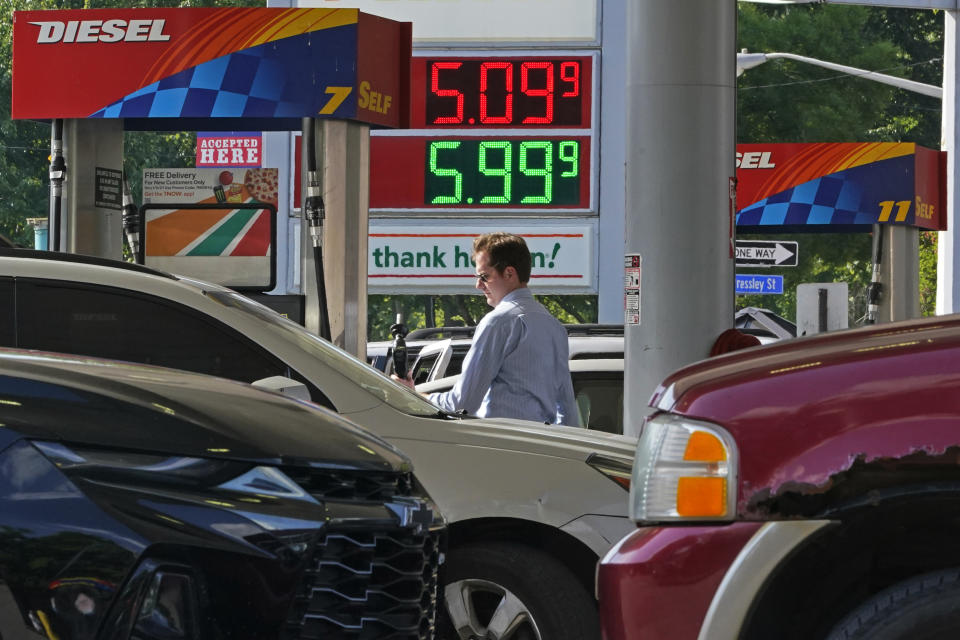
(263, 63)
(480, 173)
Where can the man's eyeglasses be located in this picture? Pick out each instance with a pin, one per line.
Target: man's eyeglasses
(483, 277)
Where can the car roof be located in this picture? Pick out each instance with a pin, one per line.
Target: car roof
(122, 405)
(76, 258)
(596, 364)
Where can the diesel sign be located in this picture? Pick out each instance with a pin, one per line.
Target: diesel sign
(101, 31)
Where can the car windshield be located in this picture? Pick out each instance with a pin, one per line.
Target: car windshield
(396, 395)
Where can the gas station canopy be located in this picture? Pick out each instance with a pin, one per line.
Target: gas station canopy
(227, 68)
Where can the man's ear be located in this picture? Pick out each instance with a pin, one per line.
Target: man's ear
(509, 273)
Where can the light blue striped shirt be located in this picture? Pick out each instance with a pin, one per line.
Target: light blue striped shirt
(517, 366)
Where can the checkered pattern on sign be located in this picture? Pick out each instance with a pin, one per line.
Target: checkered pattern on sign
(848, 197)
(274, 80)
(236, 85)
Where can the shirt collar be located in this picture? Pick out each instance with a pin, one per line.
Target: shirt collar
(520, 293)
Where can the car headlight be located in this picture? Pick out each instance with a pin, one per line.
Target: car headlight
(685, 470)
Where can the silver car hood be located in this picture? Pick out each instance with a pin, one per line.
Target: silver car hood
(534, 437)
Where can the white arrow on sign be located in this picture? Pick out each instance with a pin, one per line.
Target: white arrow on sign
(777, 254)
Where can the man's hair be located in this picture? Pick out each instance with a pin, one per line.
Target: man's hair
(505, 250)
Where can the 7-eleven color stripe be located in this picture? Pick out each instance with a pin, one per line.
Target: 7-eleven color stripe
(236, 235)
(242, 232)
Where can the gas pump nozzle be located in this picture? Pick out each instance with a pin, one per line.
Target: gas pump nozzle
(399, 330)
(131, 221)
(58, 174)
(315, 209)
(315, 212)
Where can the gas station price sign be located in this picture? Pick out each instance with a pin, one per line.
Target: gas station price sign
(492, 134)
(511, 92)
(514, 173)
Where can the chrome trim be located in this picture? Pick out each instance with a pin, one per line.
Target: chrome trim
(743, 580)
(666, 401)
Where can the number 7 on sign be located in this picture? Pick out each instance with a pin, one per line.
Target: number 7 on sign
(338, 95)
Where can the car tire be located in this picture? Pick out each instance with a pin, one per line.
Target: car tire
(506, 591)
(926, 606)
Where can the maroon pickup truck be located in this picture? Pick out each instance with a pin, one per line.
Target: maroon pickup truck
(801, 490)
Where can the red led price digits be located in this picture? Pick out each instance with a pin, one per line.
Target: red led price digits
(435, 87)
(570, 72)
(484, 92)
(546, 92)
(507, 116)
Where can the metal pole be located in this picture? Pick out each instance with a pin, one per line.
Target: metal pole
(679, 166)
(948, 260)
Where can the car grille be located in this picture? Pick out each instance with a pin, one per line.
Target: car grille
(375, 486)
(365, 586)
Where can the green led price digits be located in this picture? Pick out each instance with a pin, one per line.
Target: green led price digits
(503, 172)
(453, 173)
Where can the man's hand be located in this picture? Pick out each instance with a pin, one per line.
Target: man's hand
(407, 382)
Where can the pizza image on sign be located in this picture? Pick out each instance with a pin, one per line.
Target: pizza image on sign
(262, 185)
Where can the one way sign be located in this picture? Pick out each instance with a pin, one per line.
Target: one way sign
(766, 253)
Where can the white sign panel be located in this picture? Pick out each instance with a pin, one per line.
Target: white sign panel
(432, 258)
(483, 20)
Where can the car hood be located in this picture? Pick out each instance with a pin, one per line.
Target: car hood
(794, 372)
(534, 437)
(153, 409)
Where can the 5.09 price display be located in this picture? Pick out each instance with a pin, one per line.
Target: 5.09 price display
(503, 92)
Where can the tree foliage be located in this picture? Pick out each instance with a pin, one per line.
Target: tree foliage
(460, 311)
(791, 101)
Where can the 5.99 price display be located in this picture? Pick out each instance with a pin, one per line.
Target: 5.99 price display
(504, 92)
(542, 172)
(510, 173)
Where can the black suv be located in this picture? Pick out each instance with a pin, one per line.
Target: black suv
(145, 503)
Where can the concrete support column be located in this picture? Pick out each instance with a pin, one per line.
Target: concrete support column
(343, 150)
(900, 274)
(681, 100)
(86, 226)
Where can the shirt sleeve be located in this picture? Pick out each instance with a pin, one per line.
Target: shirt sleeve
(480, 366)
(567, 413)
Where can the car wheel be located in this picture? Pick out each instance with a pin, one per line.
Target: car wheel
(504, 591)
(926, 607)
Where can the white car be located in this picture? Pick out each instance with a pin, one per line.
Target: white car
(597, 387)
(596, 365)
(444, 358)
(530, 508)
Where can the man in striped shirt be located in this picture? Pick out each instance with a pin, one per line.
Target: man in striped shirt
(517, 365)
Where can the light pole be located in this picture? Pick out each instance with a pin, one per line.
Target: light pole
(900, 266)
(747, 60)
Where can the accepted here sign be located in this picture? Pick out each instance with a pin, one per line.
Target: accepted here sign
(239, 149)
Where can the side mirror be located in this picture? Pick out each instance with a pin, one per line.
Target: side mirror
(285, 386)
